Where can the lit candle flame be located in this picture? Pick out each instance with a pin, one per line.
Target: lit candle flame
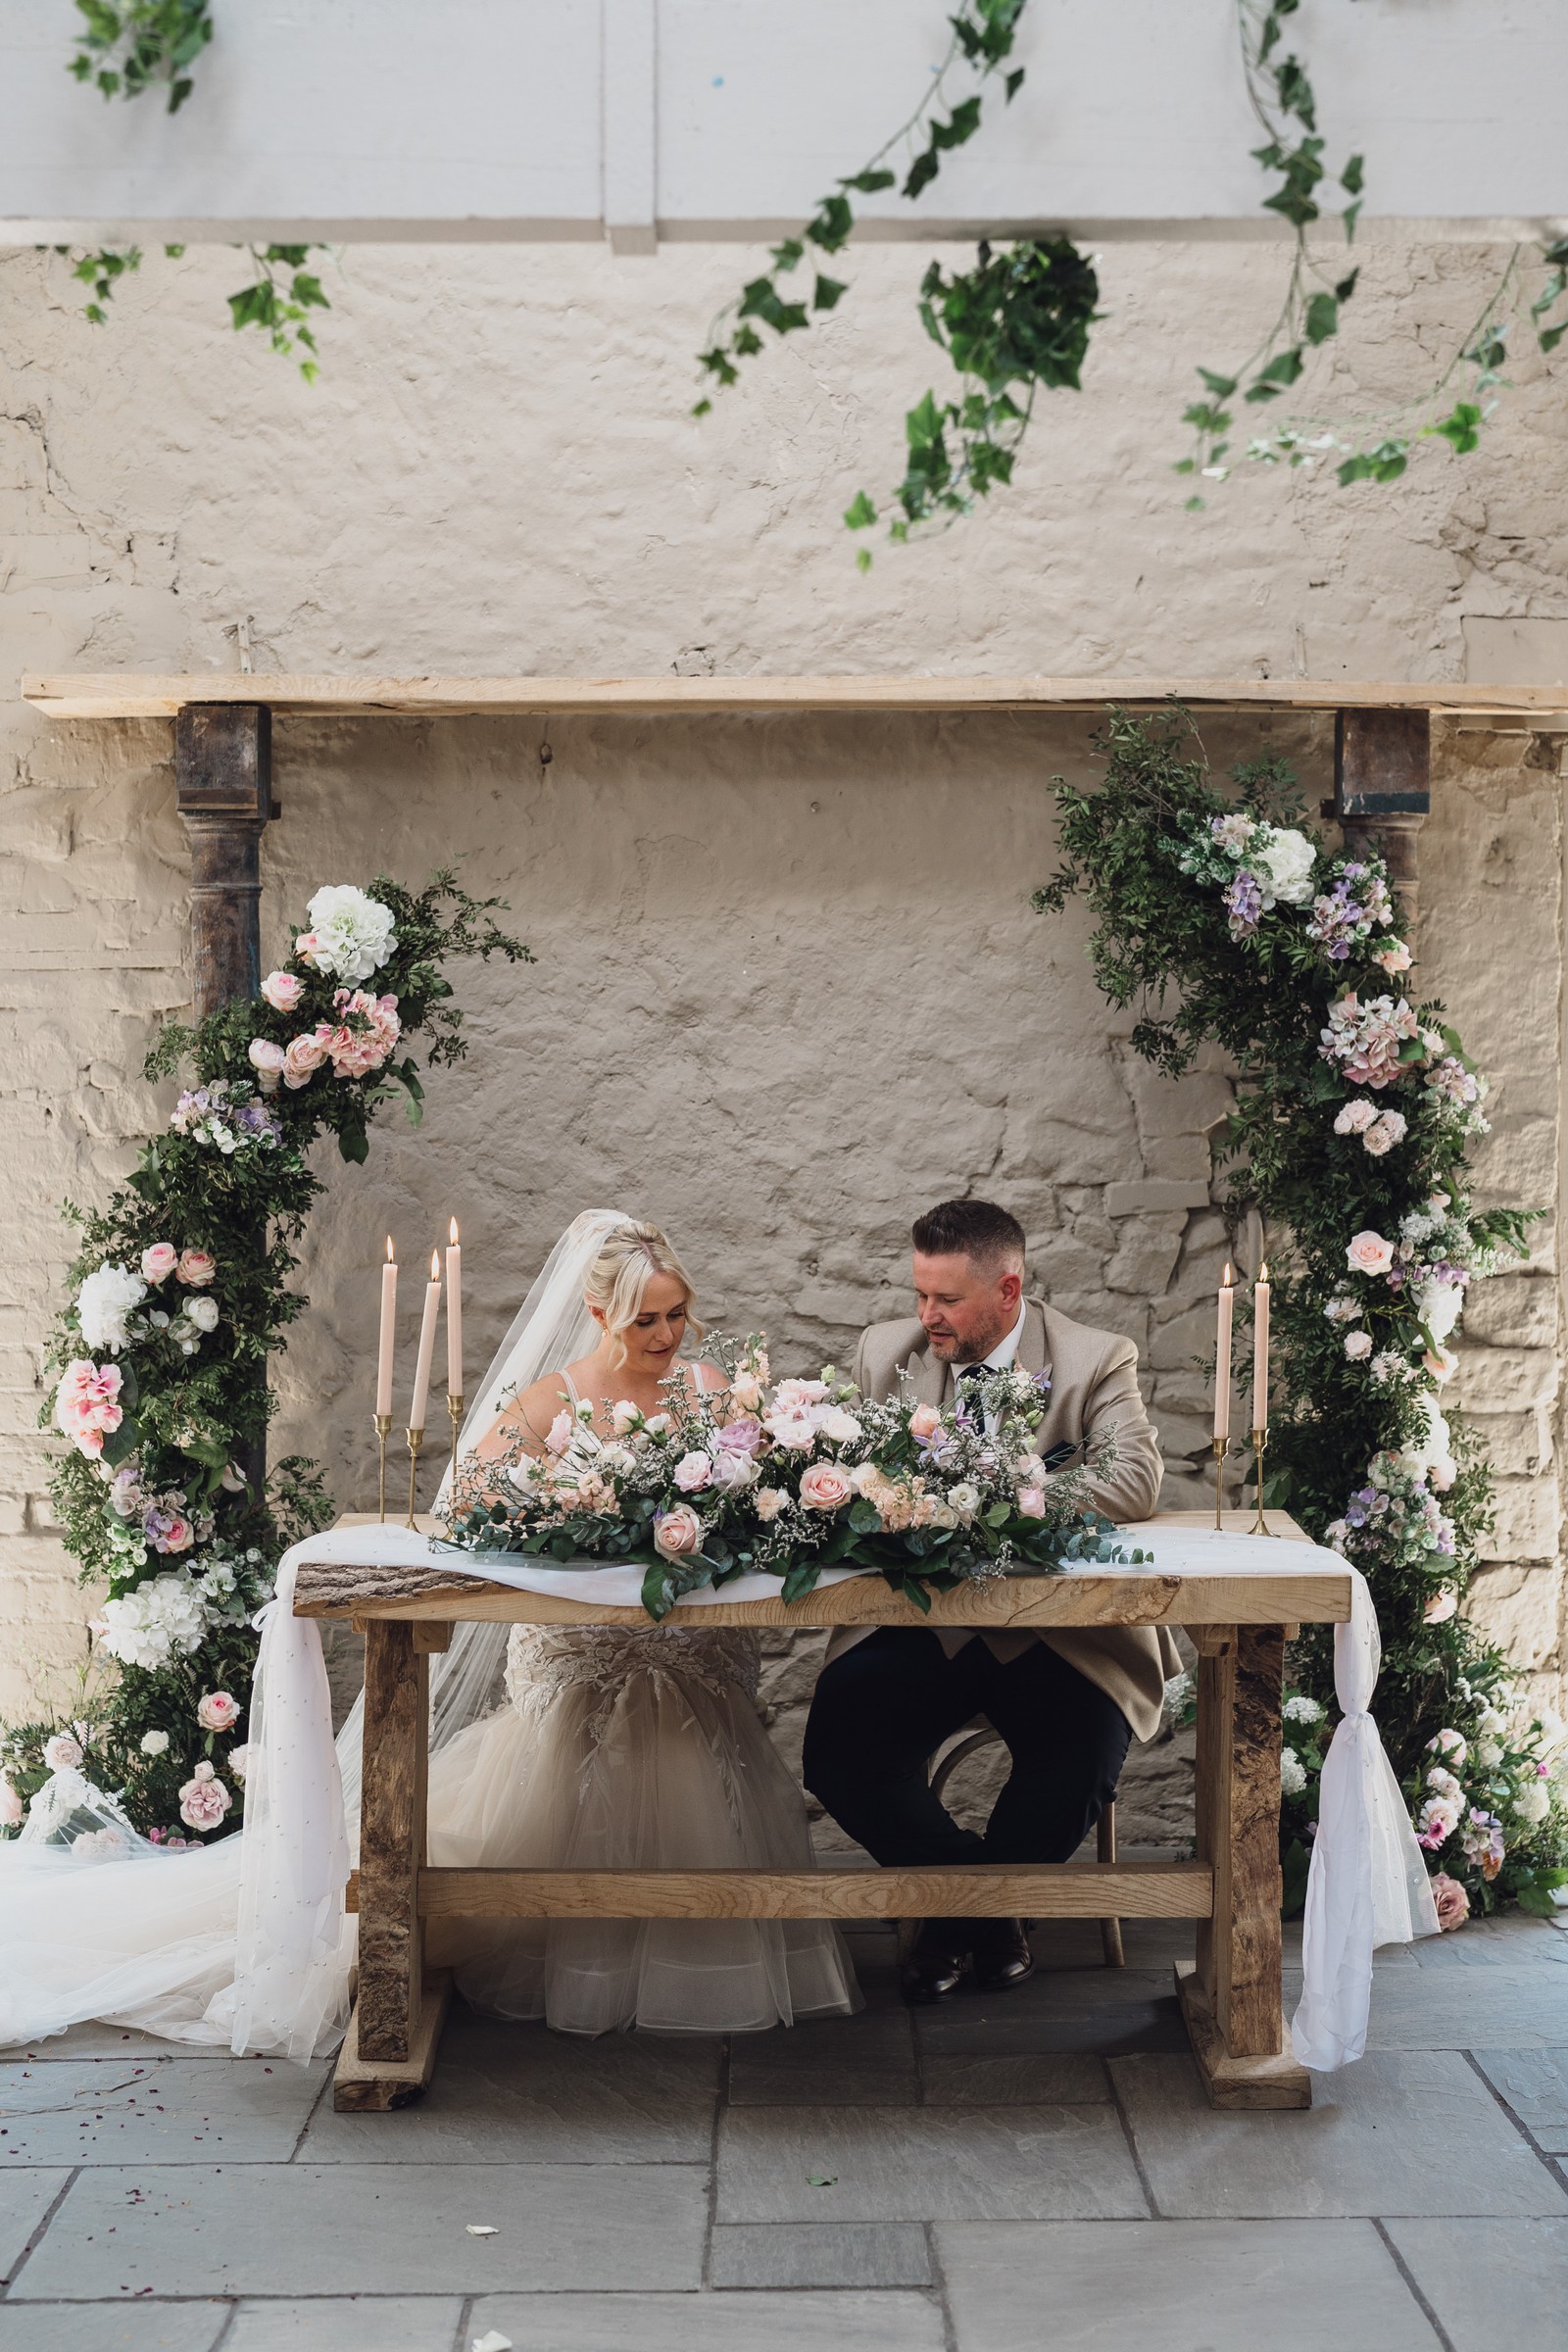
(389, 1257)
(1229, 1275)
(452, 1234)
(1262, 1272)
(435, 1265)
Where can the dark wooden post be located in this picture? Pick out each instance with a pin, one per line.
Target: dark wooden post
(223, 781)
(1382, 793)
(224, 771)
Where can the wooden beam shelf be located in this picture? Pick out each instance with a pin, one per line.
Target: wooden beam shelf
(109, 695)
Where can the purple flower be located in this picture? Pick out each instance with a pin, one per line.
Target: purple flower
(743, 1435)
(1244, 899)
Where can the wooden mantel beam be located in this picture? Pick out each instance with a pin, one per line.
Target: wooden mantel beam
(121, 696)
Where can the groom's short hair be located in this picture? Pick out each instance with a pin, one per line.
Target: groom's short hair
(974, 1229)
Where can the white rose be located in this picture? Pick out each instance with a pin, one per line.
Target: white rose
(837, 1426)
(61, 1753)
(1489, 1753)
(203, 1313)
(1284, 859)
(104, 1304)
(155, 1743)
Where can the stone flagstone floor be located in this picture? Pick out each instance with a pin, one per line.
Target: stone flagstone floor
(996, 2176)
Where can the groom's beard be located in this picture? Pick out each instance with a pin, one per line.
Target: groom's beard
(957, 1352)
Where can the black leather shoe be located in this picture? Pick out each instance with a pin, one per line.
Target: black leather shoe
(1001, 1954)
(937, 1966)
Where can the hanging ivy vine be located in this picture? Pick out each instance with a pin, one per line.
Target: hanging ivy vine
(141, 45)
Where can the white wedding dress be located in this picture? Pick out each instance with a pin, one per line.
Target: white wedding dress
(609, 1748)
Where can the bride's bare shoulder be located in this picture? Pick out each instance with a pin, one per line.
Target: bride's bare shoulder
(525, 1420)
(706, 1379)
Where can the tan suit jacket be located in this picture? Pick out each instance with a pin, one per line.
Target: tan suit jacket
(1094, 1387)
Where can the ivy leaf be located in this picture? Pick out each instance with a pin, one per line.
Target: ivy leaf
(1462, 427)
(1283, 369)
(827, 292)
(869, 183)
(1322, 318)
(922, 171)
(859, 513)
(1222, 386)
(353, 1142)
(1013, 83)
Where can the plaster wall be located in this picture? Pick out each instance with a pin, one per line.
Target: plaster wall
(789, 988)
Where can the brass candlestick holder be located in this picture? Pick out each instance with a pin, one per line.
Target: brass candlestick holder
(455, 1407)
(383, 1430)
(1260, 1526)
(1221, 1448)
(416, 1437)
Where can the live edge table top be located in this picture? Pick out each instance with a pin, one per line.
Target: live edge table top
(1311, 1594)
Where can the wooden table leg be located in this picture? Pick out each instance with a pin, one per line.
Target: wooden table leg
(390, 2051)
(1231, 1998)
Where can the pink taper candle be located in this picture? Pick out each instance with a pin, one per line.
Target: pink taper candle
(1222, 1355)
(389, 1319)
(421, 1369)
(1260, 1349)
(454, 1315)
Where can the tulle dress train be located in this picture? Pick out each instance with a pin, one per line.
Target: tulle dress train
(632, 1751)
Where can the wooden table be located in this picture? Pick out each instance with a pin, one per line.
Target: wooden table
(1231, 1996)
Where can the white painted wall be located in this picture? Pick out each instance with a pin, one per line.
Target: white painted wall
(726, 119)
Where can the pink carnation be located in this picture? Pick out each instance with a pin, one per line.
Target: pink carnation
(159, 1262)
(84, 1404)
(357, 1051)
(282, 991)
(203, 1799)
(218, 1711)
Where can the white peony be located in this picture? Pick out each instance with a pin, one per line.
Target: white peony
(351, 935)
(1283, 861)
(104, 1304)
(151, 1625)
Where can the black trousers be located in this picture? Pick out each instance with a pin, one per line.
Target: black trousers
(882, 1709)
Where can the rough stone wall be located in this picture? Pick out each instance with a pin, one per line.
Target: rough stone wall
(789, 986)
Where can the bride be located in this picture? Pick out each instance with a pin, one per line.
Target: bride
(610, 1747)
(620, 1747)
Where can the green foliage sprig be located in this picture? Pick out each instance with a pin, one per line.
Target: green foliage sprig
(1228, 922)
(141, 45)
(165, 1499)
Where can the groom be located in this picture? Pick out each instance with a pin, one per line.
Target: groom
(1067, 1702)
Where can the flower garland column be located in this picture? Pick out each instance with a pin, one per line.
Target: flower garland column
(224, 776)
(1383, 794)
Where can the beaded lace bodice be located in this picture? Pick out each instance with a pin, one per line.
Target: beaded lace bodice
(543, 1661)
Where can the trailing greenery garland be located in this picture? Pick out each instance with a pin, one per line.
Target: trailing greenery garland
(1230, 921)
(179, 1292)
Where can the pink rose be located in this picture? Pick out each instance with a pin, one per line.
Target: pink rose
(159, 1262)
(797, 1432)
(305, 948)
(625, 1416)
(1448, 1743)
(267, 1061)
(693, 1472)
(218, 1711)
(925, 1421)
(1355, 1118)
(747, 1391)
(197, 1267)
(61, 1753)
(1438, 1609)
(826, 1486)
(1032, 1503)
(357, 1051)
(1369, 1253)
(11, 1806)
(282, 991)
(173, 1533)
(677, 1533)
(84, 1404)
(303, 1057)
(1453, 1904)
(203, 1799)
(1442, 1473)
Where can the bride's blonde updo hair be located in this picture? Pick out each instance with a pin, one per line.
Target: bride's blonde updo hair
(619, 1275)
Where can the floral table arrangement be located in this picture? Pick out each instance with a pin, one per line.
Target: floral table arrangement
(791, 1479)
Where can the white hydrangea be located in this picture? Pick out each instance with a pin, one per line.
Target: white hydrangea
(351, 935)
(1293, 1772)
(1302, 1709)
(158, 1620)
(1284, 864)
(105, 1303)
